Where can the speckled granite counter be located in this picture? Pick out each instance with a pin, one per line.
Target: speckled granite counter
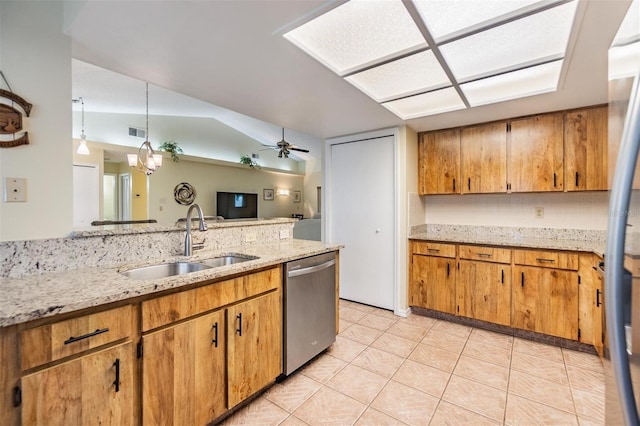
(44, 295)
(542, 238)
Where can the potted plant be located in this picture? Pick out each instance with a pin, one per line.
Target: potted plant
(245, 159)
(173, 148)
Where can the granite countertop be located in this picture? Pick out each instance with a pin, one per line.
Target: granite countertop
(45, 295)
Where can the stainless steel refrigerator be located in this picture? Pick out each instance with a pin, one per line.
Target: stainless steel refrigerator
(622, 262)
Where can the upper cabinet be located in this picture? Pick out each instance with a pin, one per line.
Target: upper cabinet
(585, 144)
(535, 160)
(439, 162)
(484, 158)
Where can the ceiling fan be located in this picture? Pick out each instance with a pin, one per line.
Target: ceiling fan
(285, 147)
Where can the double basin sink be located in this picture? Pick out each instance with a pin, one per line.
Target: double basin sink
(163, 270)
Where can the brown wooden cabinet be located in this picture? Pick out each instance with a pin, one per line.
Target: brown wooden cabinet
(535, 154)
(590, 298)
(586, 149)
(95, 389)
(439, 162)
(484, 284)
(433, 283)
(484, 158)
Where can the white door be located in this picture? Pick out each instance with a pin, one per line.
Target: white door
(124, 192)
(86, 194)
(362, 218)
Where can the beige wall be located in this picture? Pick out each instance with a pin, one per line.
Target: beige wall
(139, 196)
(35, 57)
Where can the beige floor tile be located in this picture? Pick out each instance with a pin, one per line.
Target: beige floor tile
(552, 353)
(474, 396)
(377, 322)
(541, 390)
(394, 344)
(422, 377)
(330, 407)
(377, 361)
(452, 328)
(483, 372)
(498, 340)
(588, 404)
(342, 303)
(323, 368)
(358, 383)
(373, 417)
(362, 307)
(361, 334)
(450, 342)
(293, 421)
(590, 422)
(408, 331)
(448, 414)
(522, 411)
(420, 321)
(436, 357)
(343, 325)
(291, 393)
(405, 404)
(350, 314)
(385, 313)
(345, 349)
(488, 353)
(589, 380)
(540, 367)
(582, 360)
(259, 412)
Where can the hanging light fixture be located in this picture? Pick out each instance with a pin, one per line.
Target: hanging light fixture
(146, 161)
(83, 149)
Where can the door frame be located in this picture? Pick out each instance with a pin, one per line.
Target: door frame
(328, 188)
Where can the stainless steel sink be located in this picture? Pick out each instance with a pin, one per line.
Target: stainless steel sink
(164, 270)
(227, 260)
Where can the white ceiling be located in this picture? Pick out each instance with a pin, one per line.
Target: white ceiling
(232, 54)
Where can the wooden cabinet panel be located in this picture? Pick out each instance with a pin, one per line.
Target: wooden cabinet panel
(484, 158)
(484, 291)
(82, 391)
(586, 149)
(183, 375)
(546, 301)
(590, 301)
(254, 338)
(434, 249)
(535, 158)
(433, 283)
(546, 259)
(51, 342)
(485, 254)
(439, 162)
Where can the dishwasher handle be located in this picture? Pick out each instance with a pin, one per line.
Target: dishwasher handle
(311, 269)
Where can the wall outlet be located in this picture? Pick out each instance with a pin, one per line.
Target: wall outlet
(15, 190)
(250, 237)
(284, 234)
(539, 212)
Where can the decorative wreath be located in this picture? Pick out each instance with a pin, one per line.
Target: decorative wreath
(184, 193)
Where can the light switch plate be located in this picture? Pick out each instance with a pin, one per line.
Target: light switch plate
(539, 212)
(15, 190)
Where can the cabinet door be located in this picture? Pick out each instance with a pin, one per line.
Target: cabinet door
(586, 149)
(255, 345)
(598, 316)
(82, 391)
(546, 301)
(183, 379)
(439, 162)
(433, 285)
(484, 158)
(588, 298)
(535, 160)
(484, 291)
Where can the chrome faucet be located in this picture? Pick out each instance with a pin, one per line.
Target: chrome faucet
(203, 227)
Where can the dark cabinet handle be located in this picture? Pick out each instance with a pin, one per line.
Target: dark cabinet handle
(17, 396)
(502, 279)
(432, 250)
(116, 382)
(215, 335)
(485, 254)
(469, 184)
(85, 336)
(239, 329)
(454, 184)
(598, 303)
(554, 180)
(543, 260)
(448, 269)
(522, 279)
(577, 178)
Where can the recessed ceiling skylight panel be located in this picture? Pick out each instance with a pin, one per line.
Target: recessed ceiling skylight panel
(436, 102)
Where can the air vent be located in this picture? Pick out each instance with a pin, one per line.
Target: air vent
(136, 132)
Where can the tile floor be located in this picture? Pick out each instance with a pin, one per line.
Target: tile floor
(387, 370)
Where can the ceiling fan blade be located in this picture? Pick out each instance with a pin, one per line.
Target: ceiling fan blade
(298, 149)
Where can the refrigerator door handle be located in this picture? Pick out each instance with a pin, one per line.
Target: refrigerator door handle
(614, 272)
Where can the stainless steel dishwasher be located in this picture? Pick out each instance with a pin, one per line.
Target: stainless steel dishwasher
(309, 309)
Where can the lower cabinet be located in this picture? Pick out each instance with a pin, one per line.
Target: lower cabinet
(433, 283)
(484, 291)
(96, 389)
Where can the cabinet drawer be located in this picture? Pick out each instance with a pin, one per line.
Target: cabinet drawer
(486, 254)
(51, 342)
(434, 249)
(546, 259)
(178, 306)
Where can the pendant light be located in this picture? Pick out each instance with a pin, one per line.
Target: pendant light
(83, 149)
(146, 161)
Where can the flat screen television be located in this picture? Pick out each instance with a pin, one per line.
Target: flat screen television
(237, 205)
